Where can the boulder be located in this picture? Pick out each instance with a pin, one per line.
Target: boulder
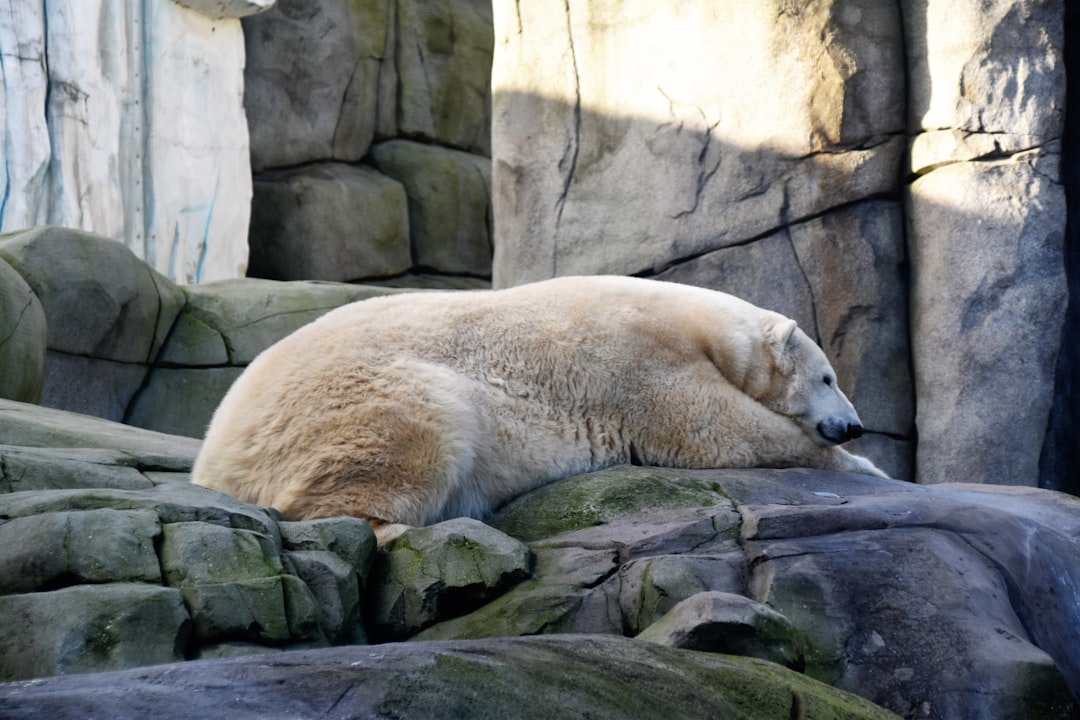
(449, 194)
(146, 143)
(846, 565)
(107, 315)
(731, 624)
(90, 628)
(78, 513)
(438, 572)
(53, 550)
(806, 119)
(538, 677)
(441, 85)
(221, 328)
(328, 221)
(311, 80)
(988, 299)
(23, 338)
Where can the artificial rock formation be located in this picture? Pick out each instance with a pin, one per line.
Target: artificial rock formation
(356, 111)
(126, 119)
(841, 161)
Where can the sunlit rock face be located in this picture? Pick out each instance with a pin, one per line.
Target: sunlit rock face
(126, 119)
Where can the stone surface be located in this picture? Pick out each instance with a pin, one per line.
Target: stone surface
(574, 676)
(449, 194)
(730, 624)
(806, 120)
(90, 628)
(441, 87)
(53, 550)
(311, 80)
(851, 563)
(23, 338)
(328, 221)
(437, 572)
(107, 315)
(988, 299)
(127, 120)
(82, 518)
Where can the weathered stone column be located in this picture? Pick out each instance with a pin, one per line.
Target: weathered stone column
(986, 223)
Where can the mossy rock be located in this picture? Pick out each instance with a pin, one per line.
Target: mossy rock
(602, 497)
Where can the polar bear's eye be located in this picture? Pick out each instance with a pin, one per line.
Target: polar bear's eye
(827, 380)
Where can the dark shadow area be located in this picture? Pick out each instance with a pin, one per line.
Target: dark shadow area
(1059, 467)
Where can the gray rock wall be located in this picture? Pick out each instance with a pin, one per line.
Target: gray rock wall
(370, 139)
(888, 175)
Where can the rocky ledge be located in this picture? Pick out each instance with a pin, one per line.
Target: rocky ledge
(733, 593)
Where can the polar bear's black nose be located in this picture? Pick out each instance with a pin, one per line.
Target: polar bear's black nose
(854, 430)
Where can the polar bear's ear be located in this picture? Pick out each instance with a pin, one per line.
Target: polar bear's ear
(778, 330)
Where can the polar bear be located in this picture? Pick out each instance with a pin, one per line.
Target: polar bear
(414, 408)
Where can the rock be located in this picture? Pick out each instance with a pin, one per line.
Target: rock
(23, 338)
(336, 590)
(24, 469)
(221, 329)
(438, 572)
(107, 315)
(37, 427)
(92, 142)
(730, 624)
(350, 539)
(250, 315)
(90, 628)
(311, 80)
(442, 85)
(52, 550)
(359, 218)
(537, 677)
(449, 194)
(200, 553)
(988, 299)
(716, 160)
(852, 562)
(251, 610)
(181, 401)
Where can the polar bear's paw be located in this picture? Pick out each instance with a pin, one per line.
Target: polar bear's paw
(859, 464)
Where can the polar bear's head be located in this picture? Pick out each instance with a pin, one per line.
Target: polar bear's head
(801, 384)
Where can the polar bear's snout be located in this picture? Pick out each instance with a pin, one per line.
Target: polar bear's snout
(836, 430)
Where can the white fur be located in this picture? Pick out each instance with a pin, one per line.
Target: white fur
(414, 408)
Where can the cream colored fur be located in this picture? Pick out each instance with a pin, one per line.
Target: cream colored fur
(414, 408)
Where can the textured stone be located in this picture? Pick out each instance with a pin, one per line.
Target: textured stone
(441, 87)
(35, 426)
(253, 314)
(24, 469)
(199, 553)
(100, 300)
(541, 677)
(180, 401)
(23, 338)
(247, 610)
(449, 194)
(350, 539)
(52, 550)
(730, 624)
(988, 299)
(336, 590)
(126, 119)
(328, 221)
(90, 628)
(804, 119)
(311, 80)
(436, 572)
